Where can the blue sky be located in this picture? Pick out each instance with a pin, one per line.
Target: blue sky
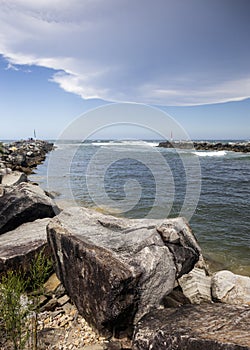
(58, 59)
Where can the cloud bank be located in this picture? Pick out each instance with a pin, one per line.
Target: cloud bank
(163, 52)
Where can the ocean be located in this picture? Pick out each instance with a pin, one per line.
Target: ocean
(137, 179)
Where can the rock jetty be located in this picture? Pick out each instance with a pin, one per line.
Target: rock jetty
(23, 156)
(143, 284)
(24, 207)
(243, 147)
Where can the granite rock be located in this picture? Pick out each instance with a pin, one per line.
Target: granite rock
(115, 270)
(230, 288)
(195, 327)
(19, 247)
(196, 286)
(14, 178)
(24, 203)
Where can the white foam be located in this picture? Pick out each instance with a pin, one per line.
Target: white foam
(126, 143)
(210, 153)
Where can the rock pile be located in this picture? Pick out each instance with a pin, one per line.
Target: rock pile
(208, 146)
(22, 205)
(144, 281)
(23, 155)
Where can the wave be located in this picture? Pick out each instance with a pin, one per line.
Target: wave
(210, 153)
(125, 143)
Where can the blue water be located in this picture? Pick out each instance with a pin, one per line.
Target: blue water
(136, 179)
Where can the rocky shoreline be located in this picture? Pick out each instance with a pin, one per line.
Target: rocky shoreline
(243, 147)
(23, 155)
(123, 284)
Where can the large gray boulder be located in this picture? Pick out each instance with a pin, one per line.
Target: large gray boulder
(195, 327)
(19, 247)
(24, 203)
(117, 270)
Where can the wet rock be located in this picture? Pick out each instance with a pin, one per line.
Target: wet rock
(19, 247)
(196, 286)
(230, 288)
(115, 270)
(195, 327)
(24, 203)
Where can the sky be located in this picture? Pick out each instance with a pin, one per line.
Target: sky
(190, 58)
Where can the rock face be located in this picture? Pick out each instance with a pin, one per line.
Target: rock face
(230, 288)
(19, 247)
(195, 327)
(24, 203)
(117, 270)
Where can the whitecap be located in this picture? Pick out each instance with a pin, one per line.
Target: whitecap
(210, 153)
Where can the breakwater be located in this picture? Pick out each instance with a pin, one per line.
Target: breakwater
(243, 147)
(23, 155)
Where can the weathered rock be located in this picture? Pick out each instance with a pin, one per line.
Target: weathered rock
(24, 203)
(15, 178)
(230, 288)
(195, 327)
(19, 247)
(54, 287)
(115, 270)
(178, 236)
(196, 286)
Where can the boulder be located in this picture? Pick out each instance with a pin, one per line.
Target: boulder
(116, 270)
(195, 327)
(196, 286)
(19, 247)
(15, 178)
(230, 288)
(24, 203)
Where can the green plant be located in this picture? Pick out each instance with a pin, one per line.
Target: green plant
(40, 270)
(14, 309)
(19, 312)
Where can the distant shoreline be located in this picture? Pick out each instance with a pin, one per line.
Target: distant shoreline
(243, 147)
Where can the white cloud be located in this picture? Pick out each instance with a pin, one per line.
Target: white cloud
(129, 51)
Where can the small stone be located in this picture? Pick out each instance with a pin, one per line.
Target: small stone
(51, 284)
(63, 300)
(50, 306)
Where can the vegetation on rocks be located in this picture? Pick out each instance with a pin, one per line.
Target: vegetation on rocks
(20, 303)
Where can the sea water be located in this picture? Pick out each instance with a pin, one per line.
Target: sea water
(136, 179)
